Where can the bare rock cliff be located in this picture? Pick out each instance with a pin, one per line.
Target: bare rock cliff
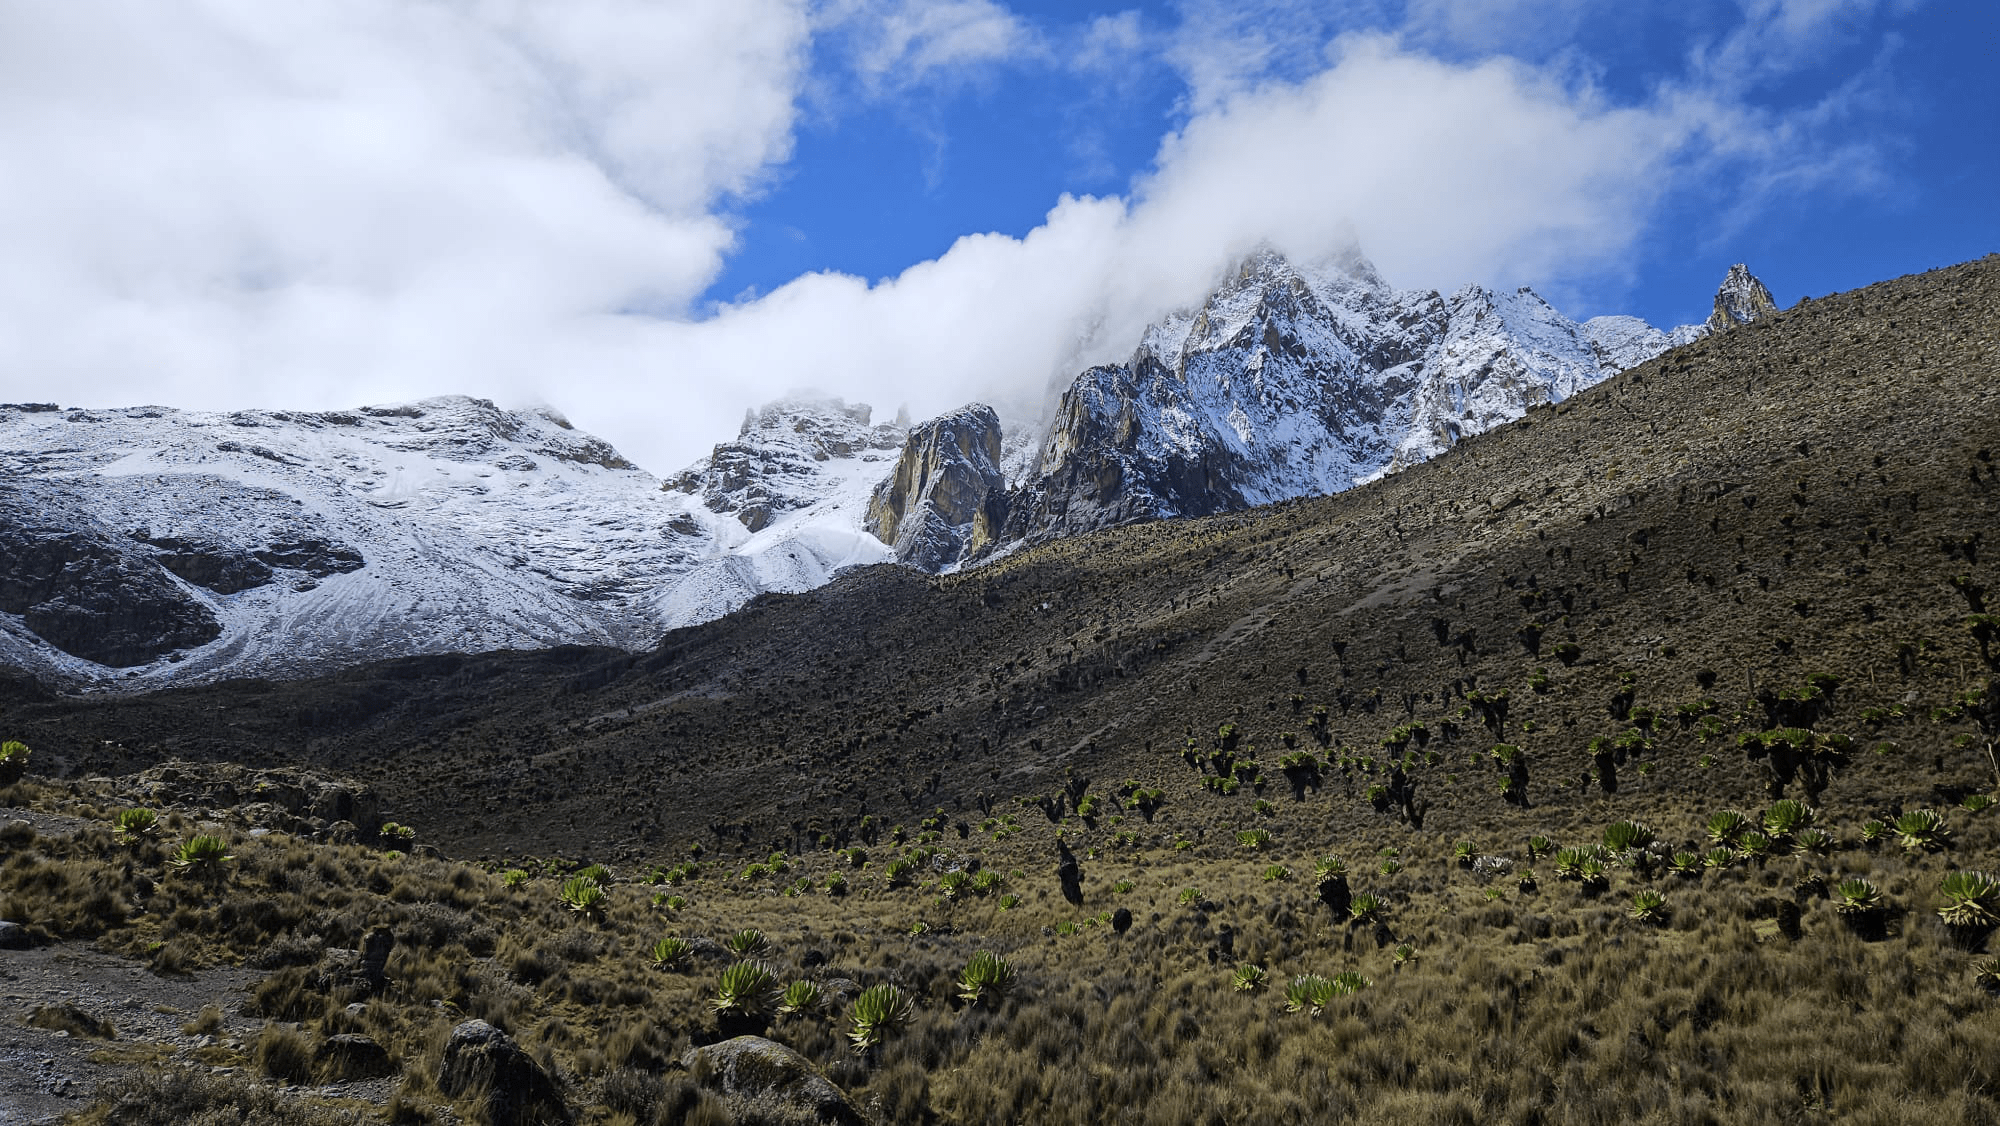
(947, 496)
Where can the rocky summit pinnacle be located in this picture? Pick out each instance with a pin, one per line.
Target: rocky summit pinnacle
(1741, 299)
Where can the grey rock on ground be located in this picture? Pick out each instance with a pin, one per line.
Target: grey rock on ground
(764, 1083)
(351, 1056)
(486, 1064)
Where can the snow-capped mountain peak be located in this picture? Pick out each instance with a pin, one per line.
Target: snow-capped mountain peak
(1289, 381)
(164, 545)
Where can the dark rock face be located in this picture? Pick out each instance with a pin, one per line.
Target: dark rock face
(767, 1083)
(219, 567)
(947, 497)
(89, 592)
(485, 1063)
(1095, 475)
(313, 556)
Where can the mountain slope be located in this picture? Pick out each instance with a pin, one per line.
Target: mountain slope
(1713, 523)
(177, 545)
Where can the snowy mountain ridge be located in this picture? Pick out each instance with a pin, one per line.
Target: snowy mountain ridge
(151, 546)
(1297, 380)
(275, 542)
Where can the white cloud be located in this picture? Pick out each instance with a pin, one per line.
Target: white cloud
(1109, 41)
(898, 44)
(1497, 25)
(1224, 48)
(236, 202)
(1447, 173)
(1776, 37)
(326, 202)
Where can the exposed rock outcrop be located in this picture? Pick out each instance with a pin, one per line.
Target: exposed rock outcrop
(765, 1082)
(1741, 299)
(483, 1063)
(220, 567)
(770, 468)
(947, 496)
(314, 556)
(86, 590)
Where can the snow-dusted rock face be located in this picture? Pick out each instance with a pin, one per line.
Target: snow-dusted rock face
(164, 545)
(782, 506)
(1285, 382)
(778, 459)
(947, 495)
(1292, 381)
(1741, 299)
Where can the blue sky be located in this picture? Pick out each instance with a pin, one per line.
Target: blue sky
(653, 214)
(876, 185)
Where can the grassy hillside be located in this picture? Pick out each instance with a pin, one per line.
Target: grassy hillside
(1508, 691)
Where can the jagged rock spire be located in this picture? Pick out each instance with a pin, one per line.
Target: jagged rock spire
(1741, 299)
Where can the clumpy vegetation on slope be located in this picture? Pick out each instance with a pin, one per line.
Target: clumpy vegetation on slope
(1634, 759)
(1773, 963)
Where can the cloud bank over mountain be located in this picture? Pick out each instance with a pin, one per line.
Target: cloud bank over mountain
(318, 204)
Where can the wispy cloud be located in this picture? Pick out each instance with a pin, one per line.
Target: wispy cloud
(1776, 38)
(900, 44)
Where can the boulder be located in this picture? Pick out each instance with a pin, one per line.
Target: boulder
(764, 1083)
(351, 973)
(14, 936)
(351, 1056)
(485, 1065)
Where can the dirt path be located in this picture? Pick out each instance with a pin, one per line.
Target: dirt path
(46, 1073)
